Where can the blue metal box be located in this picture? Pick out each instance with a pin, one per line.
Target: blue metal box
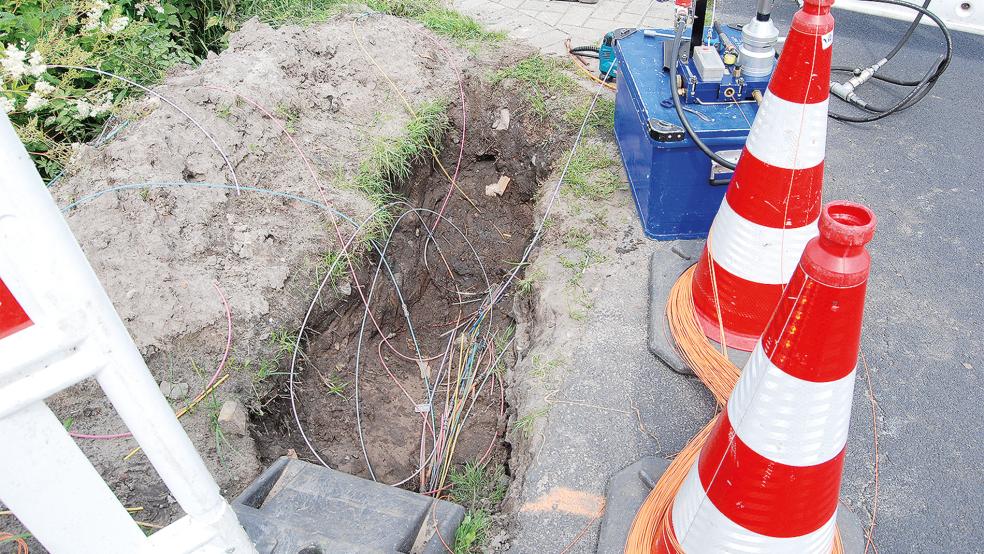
(671, 179)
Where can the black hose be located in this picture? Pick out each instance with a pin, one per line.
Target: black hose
(681, 26)
(885, 78)
(908, 33)
(920, 88)
(586, 51)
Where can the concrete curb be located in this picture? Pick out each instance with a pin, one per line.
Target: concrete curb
(665, 267)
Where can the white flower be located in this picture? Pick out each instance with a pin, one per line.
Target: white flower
(84, 108)
(43, 88)
(37, 64)
(105, 107)
(35, 102)
(87, 109)
(6, 104)
(13, 62)
(94, 15)
(117, 24)
(153, 4)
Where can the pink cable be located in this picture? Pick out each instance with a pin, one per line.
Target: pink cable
(324, 198)
(215, 377)
(225, 355)
(464, 124)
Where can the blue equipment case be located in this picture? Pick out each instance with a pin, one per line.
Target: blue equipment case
(671, 180)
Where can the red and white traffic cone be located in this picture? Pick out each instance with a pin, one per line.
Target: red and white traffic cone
(773, 201)
(769, 475)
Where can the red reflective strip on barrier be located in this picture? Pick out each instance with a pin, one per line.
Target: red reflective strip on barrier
(758, 192)
(764, 496)
(745, 305)
(816, 333)
(13, 318)
(802, 74)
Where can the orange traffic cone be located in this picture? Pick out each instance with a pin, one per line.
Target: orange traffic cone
(772, 204)
(768, 477)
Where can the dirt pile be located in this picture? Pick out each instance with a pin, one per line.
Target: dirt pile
(168, 256)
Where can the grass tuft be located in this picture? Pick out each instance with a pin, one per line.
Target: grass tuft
(462, 29)
(431, 13)
(602, 118)
(479, 489)
(592, 173)
(537, 71)
(392, 158)
(526, 423)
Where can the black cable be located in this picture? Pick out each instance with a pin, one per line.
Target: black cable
(681, 26)
(920, 88)
(592, 52)
(857, 71)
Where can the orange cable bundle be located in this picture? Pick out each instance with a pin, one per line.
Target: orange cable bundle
(22, 547)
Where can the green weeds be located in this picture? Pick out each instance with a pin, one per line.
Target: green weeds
(334, 385)
(214, 407)
(543, 368)
(578, 265)
(330, 266)
(577, 239)
(290, 115)
(592, 173)
(602, 118)
(471, 532)
(392, 157)
(526, 423)
(525, 285)
(431, 13)
(539, 72)
(479, 489)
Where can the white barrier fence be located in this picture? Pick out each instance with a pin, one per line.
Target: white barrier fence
(57, 328)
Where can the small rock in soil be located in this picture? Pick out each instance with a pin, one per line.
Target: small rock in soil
(232, 418)
(501, 122)
(175, 391)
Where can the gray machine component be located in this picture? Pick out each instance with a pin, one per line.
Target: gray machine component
(757, 55)
(296, 507)
(709, 64)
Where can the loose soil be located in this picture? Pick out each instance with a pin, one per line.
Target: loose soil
(173, 259)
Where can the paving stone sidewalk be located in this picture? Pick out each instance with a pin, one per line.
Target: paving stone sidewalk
(546, 24)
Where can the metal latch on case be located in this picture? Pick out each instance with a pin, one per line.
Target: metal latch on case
(664, 131)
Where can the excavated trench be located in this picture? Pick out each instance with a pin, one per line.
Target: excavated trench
(442, 283)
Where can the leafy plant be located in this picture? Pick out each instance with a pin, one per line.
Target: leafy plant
(471, 532)
(479, 489)
(55, 108)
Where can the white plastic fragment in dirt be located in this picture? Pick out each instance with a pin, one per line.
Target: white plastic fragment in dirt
(57, 328)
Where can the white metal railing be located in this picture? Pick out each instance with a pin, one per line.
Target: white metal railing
(74, 333)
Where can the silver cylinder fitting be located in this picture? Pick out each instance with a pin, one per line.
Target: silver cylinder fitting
(757, 55)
